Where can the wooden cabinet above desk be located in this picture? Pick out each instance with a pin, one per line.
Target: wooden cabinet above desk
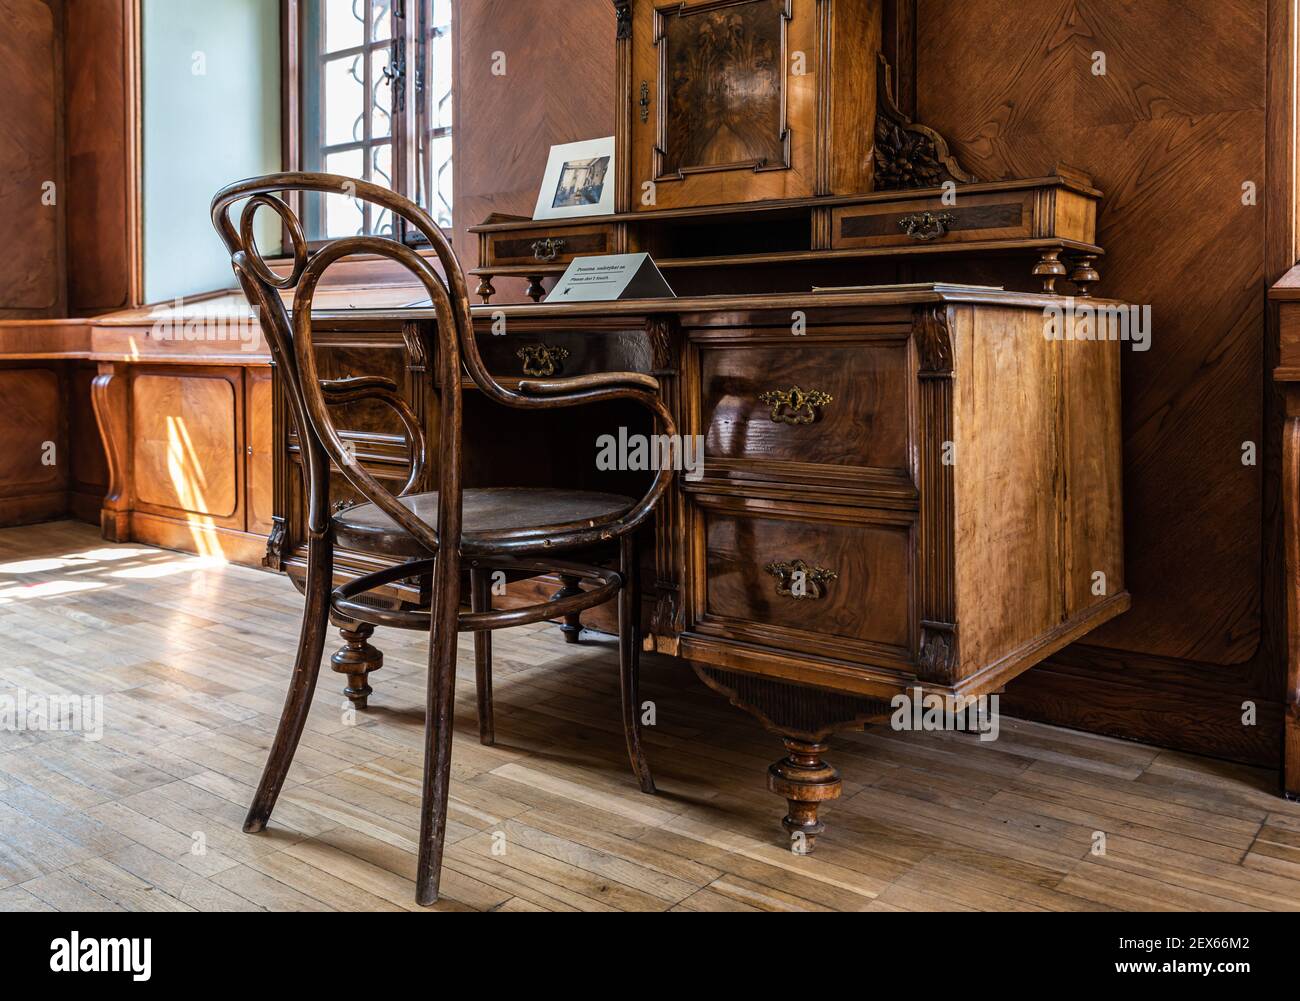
(899, 489)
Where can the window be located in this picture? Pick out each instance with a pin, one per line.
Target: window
(374, 101)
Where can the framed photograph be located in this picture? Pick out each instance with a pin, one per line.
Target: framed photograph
(579, 181)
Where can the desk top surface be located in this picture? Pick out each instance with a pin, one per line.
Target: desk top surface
(911, 295)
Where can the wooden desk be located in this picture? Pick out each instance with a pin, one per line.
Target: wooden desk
(946, 481)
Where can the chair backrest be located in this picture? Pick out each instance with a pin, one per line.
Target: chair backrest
(453, 346)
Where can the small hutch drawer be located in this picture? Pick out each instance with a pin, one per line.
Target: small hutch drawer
(794, 579)
(547, 246)
(993, 216)
(830, 411)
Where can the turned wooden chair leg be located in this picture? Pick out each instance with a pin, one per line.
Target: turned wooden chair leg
(481, 601)
(306, 669)
(439, 719)
(629, 657)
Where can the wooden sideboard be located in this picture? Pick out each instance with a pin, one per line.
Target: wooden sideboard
(943, 479)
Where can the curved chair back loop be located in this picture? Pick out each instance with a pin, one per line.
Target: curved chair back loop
(309, 399)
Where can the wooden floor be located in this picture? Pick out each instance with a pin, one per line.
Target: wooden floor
(148, 817)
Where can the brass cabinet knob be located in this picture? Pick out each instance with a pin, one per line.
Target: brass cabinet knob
(926, 226)
(542, 360)
(796, 406)
(800, 581)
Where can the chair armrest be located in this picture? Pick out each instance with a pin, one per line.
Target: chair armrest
(582, 383)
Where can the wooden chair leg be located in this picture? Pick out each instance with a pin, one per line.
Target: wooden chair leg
(481, 601)
(439, 719)
(306, 669)
(629, 657)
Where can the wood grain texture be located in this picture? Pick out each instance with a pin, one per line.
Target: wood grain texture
(499, 169)
(185, 449)
(100, 116)
(31, 152)
(1171, 144)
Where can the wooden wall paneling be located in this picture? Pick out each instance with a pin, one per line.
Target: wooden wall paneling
(1013, 88)
(558, 87)
(31, 159)
(100, 96)
(35, 460)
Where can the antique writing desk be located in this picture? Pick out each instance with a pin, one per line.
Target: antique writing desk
(944, 476)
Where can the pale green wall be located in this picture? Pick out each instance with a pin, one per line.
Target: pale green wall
(203, 131)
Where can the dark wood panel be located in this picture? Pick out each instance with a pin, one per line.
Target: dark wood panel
(558, 87)
(100, 46)
(31, 195)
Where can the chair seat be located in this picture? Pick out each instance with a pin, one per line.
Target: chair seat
(367, 529)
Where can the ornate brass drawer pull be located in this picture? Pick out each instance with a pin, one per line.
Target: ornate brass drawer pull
(927, 226)
(548, 250)
(800, 581)
(795, 406)
(542, 360)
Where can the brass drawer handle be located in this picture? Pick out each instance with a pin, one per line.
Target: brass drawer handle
(794, 406)
(799, 581)
(542, 360)
(927, 226)
(548, 250)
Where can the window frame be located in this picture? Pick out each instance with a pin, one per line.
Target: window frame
(410, 28)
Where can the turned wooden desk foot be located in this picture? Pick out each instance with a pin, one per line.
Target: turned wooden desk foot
(806, 782)
(357, 659)
(804, 718)
(572, 627)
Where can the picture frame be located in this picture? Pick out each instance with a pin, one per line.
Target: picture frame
(579, 181)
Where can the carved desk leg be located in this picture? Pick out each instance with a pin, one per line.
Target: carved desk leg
(806, 782)
(1291, 528)
(804, 718)
(486, 290)
(357, 659)
(536, 291)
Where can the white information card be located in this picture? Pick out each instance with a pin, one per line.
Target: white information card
(611, 278)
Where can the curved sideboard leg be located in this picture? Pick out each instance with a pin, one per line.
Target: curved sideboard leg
(108, 394)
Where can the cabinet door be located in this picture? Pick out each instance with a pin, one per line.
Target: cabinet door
(724, 101)
(260, 449)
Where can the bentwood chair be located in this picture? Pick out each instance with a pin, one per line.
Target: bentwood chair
(441, 537)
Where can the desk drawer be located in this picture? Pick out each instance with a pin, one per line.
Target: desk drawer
(808, 411)
(553, 354)
(994, 216)
(800, 578)
(551, 246)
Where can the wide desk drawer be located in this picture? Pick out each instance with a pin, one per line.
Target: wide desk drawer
(829, 412)
(994, 216)
(550, 246)
(797, 578)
